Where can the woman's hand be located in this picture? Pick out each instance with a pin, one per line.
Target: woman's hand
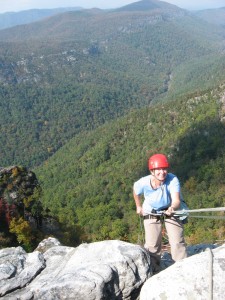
(170, 211)
(139, 210)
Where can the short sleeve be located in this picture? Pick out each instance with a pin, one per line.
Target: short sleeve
(174, 184)
(138, 187)
(141, 184)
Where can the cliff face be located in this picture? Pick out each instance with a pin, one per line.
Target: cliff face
(20, 207)
(107, 270)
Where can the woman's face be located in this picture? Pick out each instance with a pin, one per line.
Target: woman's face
(160, 173)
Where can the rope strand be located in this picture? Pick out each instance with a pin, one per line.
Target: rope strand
(200, 210)
(208, 217)
(210, 274)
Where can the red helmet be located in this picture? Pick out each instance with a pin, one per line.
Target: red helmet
(158, 161)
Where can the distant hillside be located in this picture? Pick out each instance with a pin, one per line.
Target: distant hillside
(11, 19)
(74, 24)
(88, 182)
(75, 71)
(214, 16)
(146, 5)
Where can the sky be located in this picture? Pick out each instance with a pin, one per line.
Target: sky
(19, 5)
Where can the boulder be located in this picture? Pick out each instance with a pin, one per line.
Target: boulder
(18, 269)
(47, 244)
(198, 277)
(102, 270)
(109, 270)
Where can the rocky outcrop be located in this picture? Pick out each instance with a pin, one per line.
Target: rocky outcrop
(109, 270)
(198, 277)
(101, 270)
(19, 195)
(17, 268)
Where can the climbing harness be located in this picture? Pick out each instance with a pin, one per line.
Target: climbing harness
(184, 213)
(187, 212)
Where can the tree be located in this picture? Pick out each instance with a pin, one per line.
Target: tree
(23, 232)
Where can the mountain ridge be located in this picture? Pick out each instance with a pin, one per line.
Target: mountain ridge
(11, 19)
(213, 16)
(144, 5)
(78, 70)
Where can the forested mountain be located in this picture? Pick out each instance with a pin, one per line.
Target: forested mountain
(214, 16)
(75, 71)
(87, 96)
(148, 5)
(11, 19)
(88, 183)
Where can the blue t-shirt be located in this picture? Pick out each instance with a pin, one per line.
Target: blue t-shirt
(159, 198)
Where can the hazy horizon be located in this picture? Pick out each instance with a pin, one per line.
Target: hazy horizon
(20, 5)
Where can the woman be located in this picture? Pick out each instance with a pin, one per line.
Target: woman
(161, 191)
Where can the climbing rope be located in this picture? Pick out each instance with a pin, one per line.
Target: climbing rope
(210, 274)
(187, 212)
(208, 217)
(200, 210)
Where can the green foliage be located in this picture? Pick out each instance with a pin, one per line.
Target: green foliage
(85, 97)
(89, 181)
(66, 75)
(196, 75)
(22, 230)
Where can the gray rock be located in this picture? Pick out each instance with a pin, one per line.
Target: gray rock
(167, 261)
(47, 244)
(198, 277)
(108, 270)
(18, 268)
(102, 270)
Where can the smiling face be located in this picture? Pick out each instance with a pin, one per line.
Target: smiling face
(160, 173)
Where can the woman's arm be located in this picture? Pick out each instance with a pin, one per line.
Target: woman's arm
(175, 203)
(137, 199)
